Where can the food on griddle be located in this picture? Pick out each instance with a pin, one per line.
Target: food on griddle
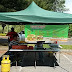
(39, 37)
(31, 37)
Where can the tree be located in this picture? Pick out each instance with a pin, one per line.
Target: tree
(59, 6)
(45, 4)
(17, 5)
(70, 30)
(13, 5)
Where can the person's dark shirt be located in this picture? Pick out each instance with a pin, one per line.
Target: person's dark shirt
(11, 34)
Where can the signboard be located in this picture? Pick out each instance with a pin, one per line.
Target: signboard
(43, 32)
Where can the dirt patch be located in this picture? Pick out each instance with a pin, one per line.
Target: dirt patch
(3, 50)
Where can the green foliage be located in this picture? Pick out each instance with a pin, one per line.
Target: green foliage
(59, 6)
(18, 28)
(70, 27)
(63, 46)
(70, 30)
(2, 8)
(45, 4)
(17, 5)
(13, 5)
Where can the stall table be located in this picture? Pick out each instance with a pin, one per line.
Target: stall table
(47, 50)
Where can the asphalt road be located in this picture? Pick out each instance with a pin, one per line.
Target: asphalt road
(3, 40)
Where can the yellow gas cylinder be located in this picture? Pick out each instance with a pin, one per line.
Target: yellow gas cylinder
(5, 64)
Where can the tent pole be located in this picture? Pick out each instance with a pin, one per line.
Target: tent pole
(8, 28)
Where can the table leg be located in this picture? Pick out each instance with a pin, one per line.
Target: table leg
(16, 59)
(35, 60)
(16, 63)
(59, 57)
(23, 64)
(54, 59)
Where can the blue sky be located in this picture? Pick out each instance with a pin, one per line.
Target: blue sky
(68, 5)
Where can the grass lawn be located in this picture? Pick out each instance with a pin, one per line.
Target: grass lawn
(66, 46)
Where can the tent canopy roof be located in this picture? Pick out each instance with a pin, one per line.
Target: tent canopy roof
(35, 14)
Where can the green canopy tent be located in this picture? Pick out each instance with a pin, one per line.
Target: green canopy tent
(35, 14)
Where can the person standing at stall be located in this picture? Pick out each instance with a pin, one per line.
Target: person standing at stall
(11, 34)
(13, 42)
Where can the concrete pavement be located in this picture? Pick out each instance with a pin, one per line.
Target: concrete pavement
(65, 65)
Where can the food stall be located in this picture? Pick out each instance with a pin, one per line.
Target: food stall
(40, 25)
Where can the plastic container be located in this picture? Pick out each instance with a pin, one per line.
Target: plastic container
(21, 37)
